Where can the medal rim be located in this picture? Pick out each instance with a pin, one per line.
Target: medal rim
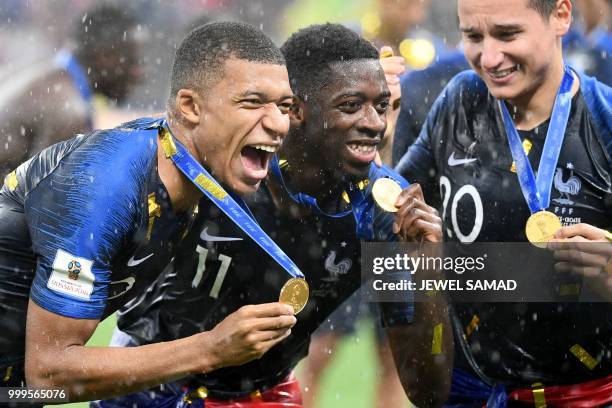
(285, 289)
(387, 186)
(532, 218)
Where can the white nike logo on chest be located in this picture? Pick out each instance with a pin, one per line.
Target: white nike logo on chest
(452, 161)
(134, 262)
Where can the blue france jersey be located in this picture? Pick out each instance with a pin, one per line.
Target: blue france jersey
(84, 226)
(228, 270)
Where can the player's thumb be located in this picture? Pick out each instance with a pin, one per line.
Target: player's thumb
(386, 51)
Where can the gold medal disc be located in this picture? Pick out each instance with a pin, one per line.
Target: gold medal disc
(295, 294)
(385, 192)
(541, 227)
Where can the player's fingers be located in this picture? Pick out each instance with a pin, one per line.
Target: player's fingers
(402, 213)
(267, 310)
(580, 258)
(386, 51)
(264, 346)
(431, 230)
(421, 224)
(267, 335)
(585, 230)
(406, 223)
(410, 192)
(581, 244)
(271, 323)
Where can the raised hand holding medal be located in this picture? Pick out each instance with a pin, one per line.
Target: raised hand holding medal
(295, 290)
(542, 224)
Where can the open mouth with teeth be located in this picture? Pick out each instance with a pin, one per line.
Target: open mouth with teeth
(503, 74)
(363, 151)
(255, 159)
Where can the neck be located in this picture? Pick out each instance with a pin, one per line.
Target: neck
(535, 107)
(183, 193)
(305, 174)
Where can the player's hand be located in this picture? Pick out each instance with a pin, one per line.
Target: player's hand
(584, 249)
(415, 221)
(393, 66)
(248, 333)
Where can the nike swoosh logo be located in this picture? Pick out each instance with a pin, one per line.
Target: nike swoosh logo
(212, 238)
(452, 161)
(129, 281)
(133, 262)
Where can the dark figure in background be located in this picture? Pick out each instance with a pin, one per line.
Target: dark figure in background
(43, 103)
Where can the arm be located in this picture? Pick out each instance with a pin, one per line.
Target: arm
(394, 67)
(56, 356)
(425, 375)
(423, 349)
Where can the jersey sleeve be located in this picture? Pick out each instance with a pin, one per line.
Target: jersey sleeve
(79, 217)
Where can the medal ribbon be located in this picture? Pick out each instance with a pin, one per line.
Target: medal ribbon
(233, 206)
(362, 205)
(536, 190)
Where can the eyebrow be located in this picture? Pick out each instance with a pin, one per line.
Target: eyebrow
(496, 27)
(263, 96)
(362, 95)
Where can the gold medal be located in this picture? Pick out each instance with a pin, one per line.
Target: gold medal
(541, 227)
(385, 192)
(295, 294)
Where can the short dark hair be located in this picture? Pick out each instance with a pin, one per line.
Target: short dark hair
(100, 28)
(544, 7)
(201, 56)
(310, 52)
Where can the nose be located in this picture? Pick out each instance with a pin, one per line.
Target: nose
(274, 121)
(492, 55)
(373, 122)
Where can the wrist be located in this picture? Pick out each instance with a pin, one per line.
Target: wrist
(206, 353)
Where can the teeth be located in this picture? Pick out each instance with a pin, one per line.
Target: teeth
(501, 74)
(362, 148)
(266, 148)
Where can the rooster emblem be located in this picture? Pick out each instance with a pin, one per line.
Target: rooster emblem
(336, 269)
(566, 188)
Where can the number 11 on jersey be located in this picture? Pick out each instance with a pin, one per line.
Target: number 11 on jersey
(221, 273)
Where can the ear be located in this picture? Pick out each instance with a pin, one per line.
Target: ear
(296, 112)
(188, 104)
(562, 16)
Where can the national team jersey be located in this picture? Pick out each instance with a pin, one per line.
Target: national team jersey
(85, 225)
(463, 149)
(228, 270)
